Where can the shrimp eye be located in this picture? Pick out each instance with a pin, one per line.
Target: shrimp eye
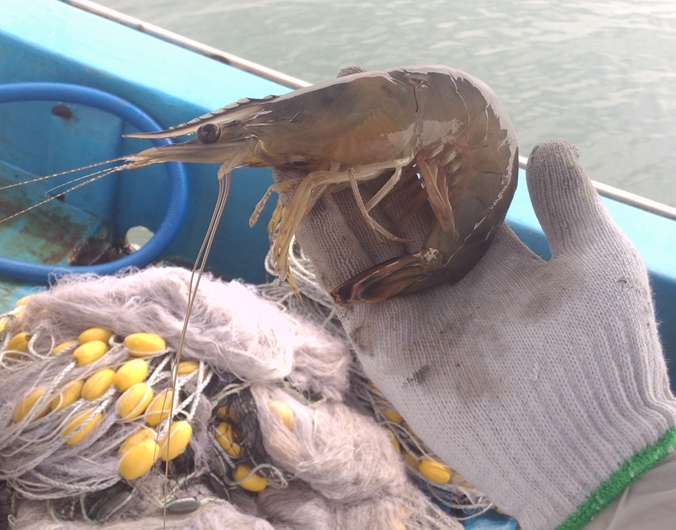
(209, 133)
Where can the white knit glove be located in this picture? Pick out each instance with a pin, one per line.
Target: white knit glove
(543, 383)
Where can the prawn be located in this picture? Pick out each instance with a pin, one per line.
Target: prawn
(437, 133)
(437, 128)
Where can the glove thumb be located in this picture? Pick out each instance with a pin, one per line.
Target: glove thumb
(565, 201)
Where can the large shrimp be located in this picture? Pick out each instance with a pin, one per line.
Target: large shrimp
(436, 134)
(442, 131)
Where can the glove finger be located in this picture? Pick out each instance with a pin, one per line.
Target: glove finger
(565, 201)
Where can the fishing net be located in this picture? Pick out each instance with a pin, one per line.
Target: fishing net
(255, 427)
(439, 482)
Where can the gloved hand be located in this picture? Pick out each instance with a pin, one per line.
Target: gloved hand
(542, 383)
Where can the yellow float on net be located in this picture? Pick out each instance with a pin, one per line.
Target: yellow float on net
(187, 367)
(393, 416)
(27, 405)
(134, 401)
(144, 344)
(283, 412)
(64, 345)
(253, 483)
(226, 439)
(434, 471)
(226, 413)
(159, 408)
(130, 373)
(91, 334)
(89, 352)
(85, 422)
(97, 384)
(68, 395)
(23, 300)
(138, 460)
(176, 440)
(19, 342)
(143, 434)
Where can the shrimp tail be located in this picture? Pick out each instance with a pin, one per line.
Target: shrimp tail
(388, 279)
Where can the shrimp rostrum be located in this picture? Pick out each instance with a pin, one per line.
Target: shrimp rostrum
(433, 134)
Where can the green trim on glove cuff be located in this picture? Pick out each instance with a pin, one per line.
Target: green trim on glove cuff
(632, 469)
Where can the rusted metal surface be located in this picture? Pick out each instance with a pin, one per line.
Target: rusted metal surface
(46, 235)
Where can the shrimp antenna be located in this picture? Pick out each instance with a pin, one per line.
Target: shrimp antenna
(89, 175)
(195, 277)
(53, 175)
(92, 177)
